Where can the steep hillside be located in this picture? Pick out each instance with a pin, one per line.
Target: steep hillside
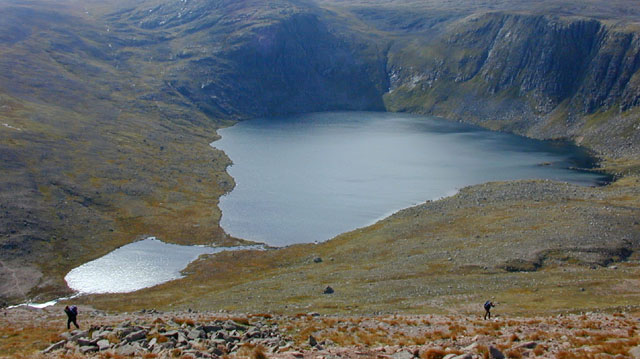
(250, 59)
(107, 116)
(90, 157)
(541, 76)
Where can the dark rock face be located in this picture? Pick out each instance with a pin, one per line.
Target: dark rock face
(534, 75)
(297, 65)
(144, 340)
(283, 59)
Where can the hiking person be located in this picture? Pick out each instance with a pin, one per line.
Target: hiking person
(72, 313)
(487, 307)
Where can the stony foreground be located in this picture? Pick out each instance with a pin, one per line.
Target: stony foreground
(27, 332)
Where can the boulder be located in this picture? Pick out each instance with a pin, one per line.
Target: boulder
(171, 334)
(230, 325)
(195, 334)
(103, 344)
(210, 328)
(635, 352)
(74, 335)
(328, 290)
(312, 341)
(127, 350)
(218, 342)
(54, 346)
(135, 336)
(88, 349)
(527, 345)
(495, 353)
(124, 331)
(83, 342)
(403, 354)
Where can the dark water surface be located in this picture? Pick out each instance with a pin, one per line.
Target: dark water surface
(311, 177)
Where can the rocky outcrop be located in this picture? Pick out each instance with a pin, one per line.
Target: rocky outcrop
(202, 340)
(285, 58)
(541, 76)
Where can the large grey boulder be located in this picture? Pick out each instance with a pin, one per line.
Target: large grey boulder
(103, 344)
(196, 333)
(88, 349)
(171, 334)
(128, 350)
(83, 342)
(54, 346)
(135, 336)
(210, 328)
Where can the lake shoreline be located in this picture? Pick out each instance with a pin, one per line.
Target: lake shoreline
(585, 163)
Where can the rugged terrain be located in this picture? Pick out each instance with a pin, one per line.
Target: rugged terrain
(189, 334)
(107, 110)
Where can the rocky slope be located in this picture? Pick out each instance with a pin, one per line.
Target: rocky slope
(188, 334)
(541, 76)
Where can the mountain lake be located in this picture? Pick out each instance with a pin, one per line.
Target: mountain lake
(308, 178)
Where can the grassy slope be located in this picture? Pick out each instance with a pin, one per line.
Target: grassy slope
(94, 160)
(438, 257)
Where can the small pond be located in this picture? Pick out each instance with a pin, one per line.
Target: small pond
(137, 265)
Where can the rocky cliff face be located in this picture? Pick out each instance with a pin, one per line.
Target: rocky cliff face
(541, 76)
(255, 59)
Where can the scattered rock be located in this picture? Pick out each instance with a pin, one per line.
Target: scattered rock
(470, 347)
(171, 334)
(195, 334)
(495, 353)
(635, 352)
(127, 350)
(528, 345)
(403, 354)
(328, 290)
(54, 346)
(83, 342)
(88, 349)
(135, 336)
(103, 344)
(211, 328)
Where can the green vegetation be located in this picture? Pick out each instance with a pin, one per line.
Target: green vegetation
(439, 257)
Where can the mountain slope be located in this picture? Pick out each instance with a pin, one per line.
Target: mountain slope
(107, 109)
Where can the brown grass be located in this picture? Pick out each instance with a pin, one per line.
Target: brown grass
(433, 353)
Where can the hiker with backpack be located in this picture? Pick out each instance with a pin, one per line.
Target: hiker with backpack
(72, 314)
(487, 308)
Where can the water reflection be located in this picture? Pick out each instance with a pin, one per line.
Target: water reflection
(137, 265)
(308, 178)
